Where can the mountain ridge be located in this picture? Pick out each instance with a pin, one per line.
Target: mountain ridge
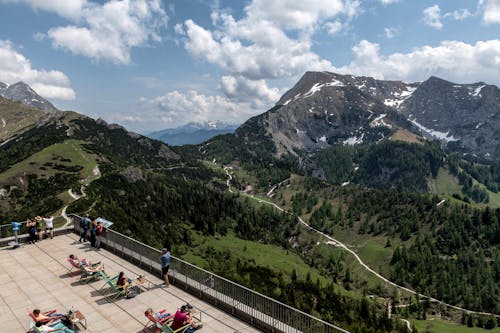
(22, 92)
(192, 132)
(324, 109)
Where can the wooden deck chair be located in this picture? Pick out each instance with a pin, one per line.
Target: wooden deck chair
(152, 321)
(73, 266)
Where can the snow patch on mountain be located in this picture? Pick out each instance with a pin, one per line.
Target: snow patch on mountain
(437, 134)
(314, 89)
(379, 121)
(400, 97)
(4, 122)
(354, 140)
(477, 91)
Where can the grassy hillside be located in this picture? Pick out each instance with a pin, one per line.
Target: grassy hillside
(442, 326)
(53, 159)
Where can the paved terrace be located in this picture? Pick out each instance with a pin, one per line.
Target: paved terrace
(36, 276)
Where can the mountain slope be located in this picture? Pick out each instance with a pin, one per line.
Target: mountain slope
(327, 108)
(23, 93)
(466, 117)
(35, 163)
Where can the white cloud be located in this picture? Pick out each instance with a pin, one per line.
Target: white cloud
(176, 108)
(272, 41)
(387, 2)
(459, 15)
(390, 32)
(491, 11)
(256, 92)
(301, 15)
(432, 17)
(104, 31)
(258, 46)
(451, 60)
(66, 8)
(333, 28)
(16, 67)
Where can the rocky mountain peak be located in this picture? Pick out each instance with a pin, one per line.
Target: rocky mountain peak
(325, 108)
(21, 92)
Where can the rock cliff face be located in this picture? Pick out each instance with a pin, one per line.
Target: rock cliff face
(465, 117)
(21, 92)
(325, 109)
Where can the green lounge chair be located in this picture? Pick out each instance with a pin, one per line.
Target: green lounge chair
(111, 284)
(88, 275)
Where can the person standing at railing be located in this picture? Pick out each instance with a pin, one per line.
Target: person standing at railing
(39, 226)
(31, 225)
(98, 234)
(49, 226)
(93, 231)
(84, 224)
(165, 264)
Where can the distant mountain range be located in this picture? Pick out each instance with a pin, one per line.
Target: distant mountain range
(192, 133)
(21, 92)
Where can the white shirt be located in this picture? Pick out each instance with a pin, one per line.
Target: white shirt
(49, 222)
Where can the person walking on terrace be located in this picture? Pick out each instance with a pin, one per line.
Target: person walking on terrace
(165, 264)
(84, 224)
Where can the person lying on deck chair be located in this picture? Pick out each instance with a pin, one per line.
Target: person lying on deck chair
(45, 317)
(57, 327)
(93, 267)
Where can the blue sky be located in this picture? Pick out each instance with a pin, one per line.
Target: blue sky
(150, 65)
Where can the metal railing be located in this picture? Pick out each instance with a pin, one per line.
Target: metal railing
(260, 311)
(7, 235)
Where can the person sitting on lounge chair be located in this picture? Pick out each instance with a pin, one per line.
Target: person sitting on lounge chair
(161, 316)
(86, 263)
(57, 327)
(183, 317)
(123, 283)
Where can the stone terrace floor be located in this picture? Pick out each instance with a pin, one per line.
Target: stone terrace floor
(36, 276)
